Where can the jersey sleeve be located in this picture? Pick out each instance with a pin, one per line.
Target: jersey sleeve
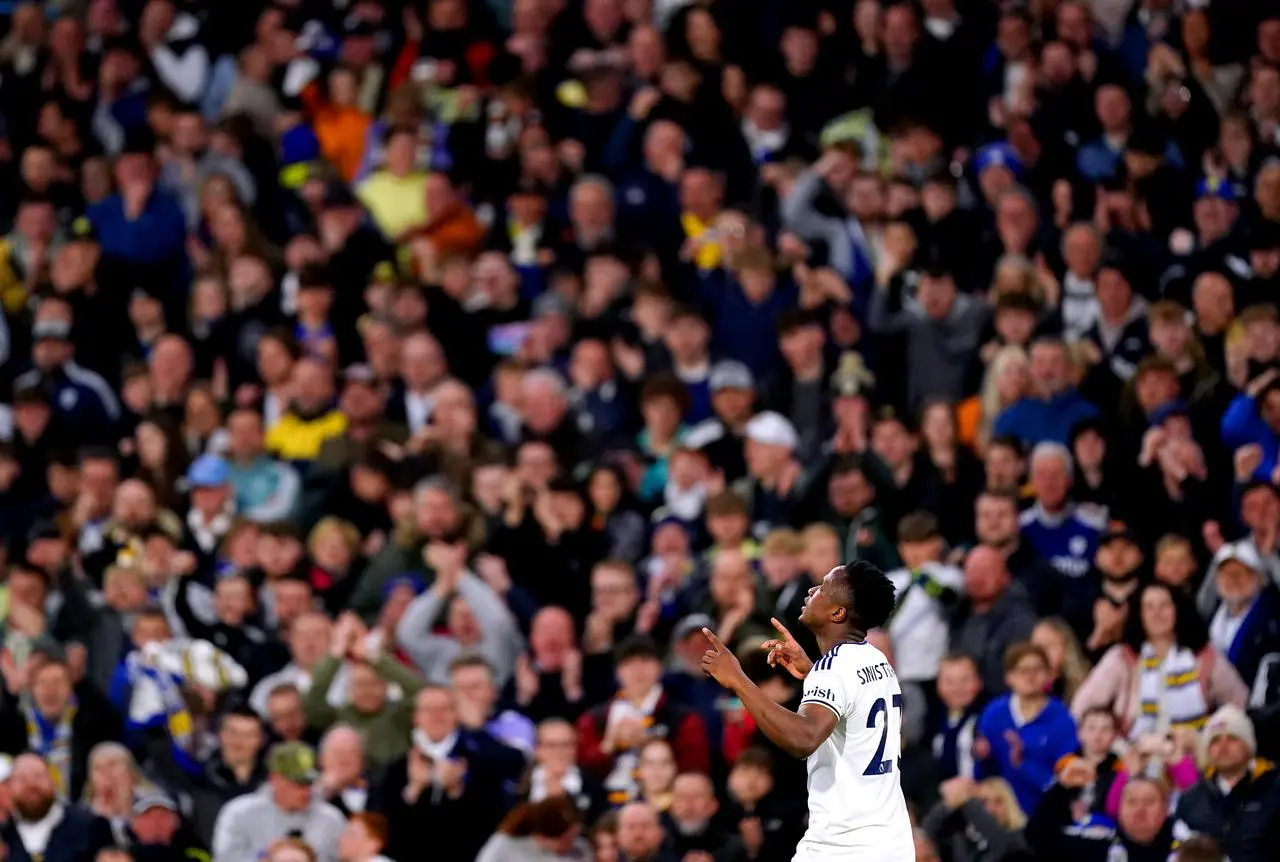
(825, 685)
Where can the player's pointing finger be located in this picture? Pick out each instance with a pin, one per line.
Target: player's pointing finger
(782, 630)
(715, 641)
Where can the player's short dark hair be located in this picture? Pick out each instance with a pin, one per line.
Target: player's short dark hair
(871, 595)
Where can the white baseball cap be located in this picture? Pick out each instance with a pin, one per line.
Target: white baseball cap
(773, 429)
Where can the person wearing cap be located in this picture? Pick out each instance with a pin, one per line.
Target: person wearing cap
(1098, 615)
(773, 486)
(1237, 801)
(1245, 627)
(157, 832)
(85, 407)
(285, 805)
(722, 437)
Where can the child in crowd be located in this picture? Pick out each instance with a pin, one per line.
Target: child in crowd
(954, 725)
(1023, 734)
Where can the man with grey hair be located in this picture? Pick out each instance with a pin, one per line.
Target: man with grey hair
(545, 415)
(1061, 532)
(342, 782)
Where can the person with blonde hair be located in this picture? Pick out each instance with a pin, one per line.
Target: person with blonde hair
(977, 821)
(114, 784)
(1067, 663)
(333, 546)
(1007, 380)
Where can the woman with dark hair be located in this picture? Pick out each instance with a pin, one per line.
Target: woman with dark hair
(1164, 675)
(162, 457)
(543, 831)
(614, 514)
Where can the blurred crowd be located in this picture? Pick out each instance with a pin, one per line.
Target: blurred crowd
(392, 390)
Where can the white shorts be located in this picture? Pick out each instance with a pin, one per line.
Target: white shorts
(806, 852)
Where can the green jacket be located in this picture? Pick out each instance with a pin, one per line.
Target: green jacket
(386, 733)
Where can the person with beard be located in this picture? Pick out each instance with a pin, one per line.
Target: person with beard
(44, 829)
(691, 820)
(158, 833)
(1098, 615)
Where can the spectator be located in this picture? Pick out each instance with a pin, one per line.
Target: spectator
(989, 812)
(610, 735)
(384, 725)
(554, 821)
(70, 833)
(249, 825)
(1164, 645)
(993, 616)
(1053, 407)
(1228, 745)
(1022, 735)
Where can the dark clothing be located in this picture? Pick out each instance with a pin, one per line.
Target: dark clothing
(94, 722)
(454, 828)
(1244, 822)
(77, 838)
(987, 634)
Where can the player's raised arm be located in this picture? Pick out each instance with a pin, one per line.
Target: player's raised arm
(797, 733)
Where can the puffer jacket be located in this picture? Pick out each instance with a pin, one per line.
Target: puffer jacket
(1244, 822)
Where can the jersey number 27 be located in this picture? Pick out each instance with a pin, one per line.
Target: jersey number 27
(878, 765)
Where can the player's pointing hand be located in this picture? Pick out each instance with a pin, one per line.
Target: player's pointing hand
(719, 662)
(785, 651)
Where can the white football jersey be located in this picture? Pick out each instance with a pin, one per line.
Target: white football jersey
(855, 790)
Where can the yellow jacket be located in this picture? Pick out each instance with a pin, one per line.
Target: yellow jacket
(294, 438)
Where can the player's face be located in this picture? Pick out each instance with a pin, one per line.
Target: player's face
(819, 605)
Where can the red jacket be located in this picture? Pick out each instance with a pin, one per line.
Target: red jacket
(685, 731)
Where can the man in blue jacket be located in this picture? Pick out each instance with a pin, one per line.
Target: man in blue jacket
(1049, 412)
(1023, 734)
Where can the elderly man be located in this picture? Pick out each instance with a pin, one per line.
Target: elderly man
(342, 780)
(1245, 627)
(284, 806)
